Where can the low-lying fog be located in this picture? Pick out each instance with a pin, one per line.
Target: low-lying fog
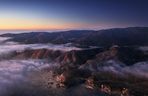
(139, 69)
(6, 47)
(16, 71)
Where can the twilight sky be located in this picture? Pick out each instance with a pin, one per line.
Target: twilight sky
(37, 15)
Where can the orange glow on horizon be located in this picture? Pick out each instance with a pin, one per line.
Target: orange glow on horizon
(36, 24)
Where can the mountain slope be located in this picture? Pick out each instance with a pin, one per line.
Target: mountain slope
(132, 36)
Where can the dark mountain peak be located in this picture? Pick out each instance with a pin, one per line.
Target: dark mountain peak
(126, 55)
(137, 28)
(78, 56)
(39, 54)
(109, 54)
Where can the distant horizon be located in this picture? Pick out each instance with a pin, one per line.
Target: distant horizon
(58, 30)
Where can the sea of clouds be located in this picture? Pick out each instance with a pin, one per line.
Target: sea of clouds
(7, 47)
(15, 72)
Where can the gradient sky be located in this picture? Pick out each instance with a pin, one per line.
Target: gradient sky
(30, 15)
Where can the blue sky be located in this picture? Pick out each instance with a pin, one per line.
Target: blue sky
(71, 14)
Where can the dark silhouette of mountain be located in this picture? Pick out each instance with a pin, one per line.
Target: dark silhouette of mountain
(78, 56)
(63, 57)
(39, 54)
(45, 37)
(126, 55)
(132, 36)
(117, 36)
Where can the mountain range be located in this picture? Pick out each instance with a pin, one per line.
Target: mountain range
(116, 58)
(131, 36)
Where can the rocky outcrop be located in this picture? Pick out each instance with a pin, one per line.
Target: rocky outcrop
(63, 57)
(127, 55)
(115, 56)
(105, 55)
(39, 54)
(78, 56)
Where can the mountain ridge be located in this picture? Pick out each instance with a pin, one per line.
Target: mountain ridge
(131, 36)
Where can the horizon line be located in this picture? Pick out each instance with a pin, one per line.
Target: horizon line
(57, 30)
